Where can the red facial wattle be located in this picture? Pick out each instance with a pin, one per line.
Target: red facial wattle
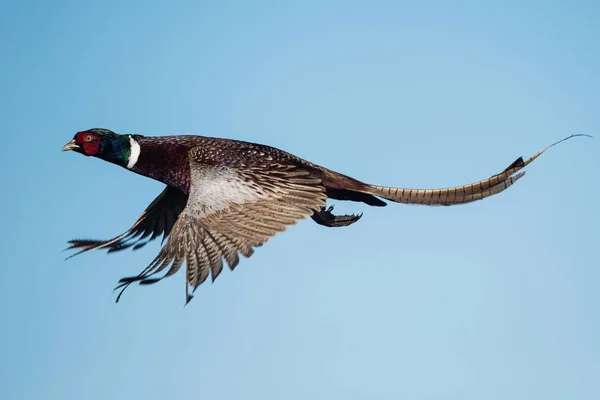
(89, 142)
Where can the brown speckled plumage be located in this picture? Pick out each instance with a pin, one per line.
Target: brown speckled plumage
(224, 197)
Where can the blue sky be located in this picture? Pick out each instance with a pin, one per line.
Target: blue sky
(496, 299)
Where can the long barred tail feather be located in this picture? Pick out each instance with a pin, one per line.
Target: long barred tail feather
(460, 194)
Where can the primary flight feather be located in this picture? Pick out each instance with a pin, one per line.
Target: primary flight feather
(224, 197)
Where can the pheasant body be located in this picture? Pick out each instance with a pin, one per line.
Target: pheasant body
(224, 197)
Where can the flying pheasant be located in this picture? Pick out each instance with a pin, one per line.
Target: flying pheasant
(224, 197)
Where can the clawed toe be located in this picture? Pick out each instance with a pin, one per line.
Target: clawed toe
(326, 218)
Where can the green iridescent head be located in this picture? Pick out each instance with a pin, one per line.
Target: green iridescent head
(104, 144)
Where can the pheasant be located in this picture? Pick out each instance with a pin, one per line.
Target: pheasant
(225, 197)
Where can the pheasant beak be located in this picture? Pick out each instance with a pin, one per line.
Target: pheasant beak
(72, 145)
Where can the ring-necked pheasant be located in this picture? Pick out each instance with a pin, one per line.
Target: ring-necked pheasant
(224, 197)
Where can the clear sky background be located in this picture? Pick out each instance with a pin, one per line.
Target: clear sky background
(493, 300)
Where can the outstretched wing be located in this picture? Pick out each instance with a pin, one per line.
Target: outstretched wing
(233, 207)
(158, 218)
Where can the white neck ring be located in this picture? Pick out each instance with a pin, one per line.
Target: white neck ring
(135, 153)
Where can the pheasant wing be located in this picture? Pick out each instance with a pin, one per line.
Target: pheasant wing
(235, 204)
(158, 218)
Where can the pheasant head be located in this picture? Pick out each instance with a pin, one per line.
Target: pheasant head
(106, 145)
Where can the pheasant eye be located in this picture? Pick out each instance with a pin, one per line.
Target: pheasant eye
(88, 138)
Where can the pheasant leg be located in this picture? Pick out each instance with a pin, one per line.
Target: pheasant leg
(326, 218)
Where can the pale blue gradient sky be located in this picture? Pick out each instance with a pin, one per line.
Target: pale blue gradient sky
(493, 300)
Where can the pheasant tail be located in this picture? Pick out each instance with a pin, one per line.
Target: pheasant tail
(460, 194)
